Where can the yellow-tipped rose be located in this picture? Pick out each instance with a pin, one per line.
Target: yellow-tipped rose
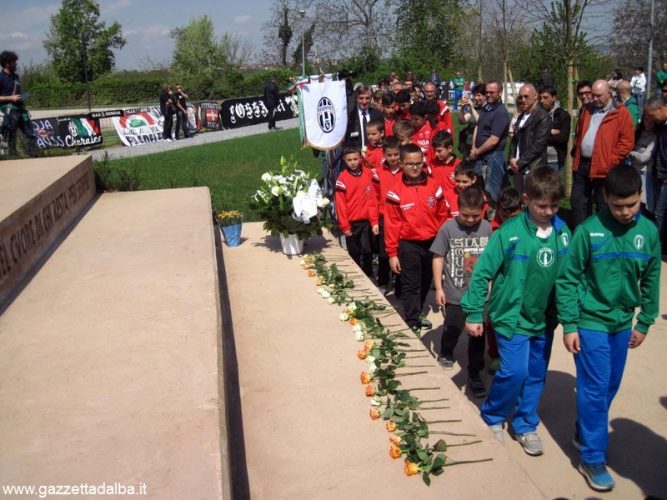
(353, 321)
(370, 390)
(374, 413)
(368, 345)
(362, 354)
(395, 452)
(390, 425)
(410, 468)
(366, 378)
(394, 439)
(311, 273)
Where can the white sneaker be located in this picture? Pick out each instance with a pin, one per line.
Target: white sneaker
(531, 443)
(498, 432)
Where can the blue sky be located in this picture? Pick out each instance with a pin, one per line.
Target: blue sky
(146, 25)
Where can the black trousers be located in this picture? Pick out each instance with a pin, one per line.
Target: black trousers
(455, 320)
(384, 271)
(168, 124)
(416, 276)
(359, 246)
(272, 117)
(181, 124)
(585, 191)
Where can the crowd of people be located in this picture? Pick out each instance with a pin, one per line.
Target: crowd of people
(174, 103)
(488, 221)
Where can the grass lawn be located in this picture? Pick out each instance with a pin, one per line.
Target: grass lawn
(231, 169)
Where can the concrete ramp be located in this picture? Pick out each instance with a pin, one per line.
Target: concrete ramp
(110, 355)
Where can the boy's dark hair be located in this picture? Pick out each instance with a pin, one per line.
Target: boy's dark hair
(388, 99)
(509, 200)
(442, 139)
(544, 182)
(622, 181)
(351, 147)
(550, 90)
(480, 88)
(404, 127)
(7, 57)
(471, 197)
(391, 142)
(402, 96)
(466, 169)
(432, 107)
(418, 109)
(378, 124)
(583, 83)
(410, 149)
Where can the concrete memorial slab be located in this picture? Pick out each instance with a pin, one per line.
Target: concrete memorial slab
(39, 200)
(305, 418)
(110, 356)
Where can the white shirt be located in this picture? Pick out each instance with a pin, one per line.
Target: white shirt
(638, 83)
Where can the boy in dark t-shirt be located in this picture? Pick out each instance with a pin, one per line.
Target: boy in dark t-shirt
(456, 248)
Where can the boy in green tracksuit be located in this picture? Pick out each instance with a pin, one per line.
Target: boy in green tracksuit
(613, 267)
(522, 260)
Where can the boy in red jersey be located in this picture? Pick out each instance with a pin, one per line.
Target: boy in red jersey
(389, 108)
(464, 176)
(404, 130)
(414, 212)
(385, 177)
(357, 208)
(423, 131)
(372, 152)
(444, 163)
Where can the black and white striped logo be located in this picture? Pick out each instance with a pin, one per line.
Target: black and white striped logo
(326, 115)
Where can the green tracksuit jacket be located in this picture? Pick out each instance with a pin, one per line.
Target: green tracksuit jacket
(611, 269)
(505, 262)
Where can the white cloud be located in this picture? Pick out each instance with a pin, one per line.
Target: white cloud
(115, 6)
(148, 31)
(13, 37)
(241, 19)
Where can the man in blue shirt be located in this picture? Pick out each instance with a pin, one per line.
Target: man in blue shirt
(490, 137)
(14, 115)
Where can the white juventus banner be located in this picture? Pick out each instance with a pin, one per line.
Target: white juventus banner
(324, 116)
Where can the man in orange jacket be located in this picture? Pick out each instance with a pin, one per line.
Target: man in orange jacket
(605, 135)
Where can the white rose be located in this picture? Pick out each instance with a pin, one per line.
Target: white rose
(266, 177)
(351, 307)
(323, 202)
(370, 360)
(372, 369)
(331, 300)
(276, 190)
(344, 316)
(376, 401)
(325, 294)
(359, 335)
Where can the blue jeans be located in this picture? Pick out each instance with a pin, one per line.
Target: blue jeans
(600, 365)
(495, 173)
(458, 94)
(661, 211)
(518, 385)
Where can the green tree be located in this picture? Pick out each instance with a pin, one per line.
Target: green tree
(428, 30)
(285, 36)
(79, 44)
(307, 45)
(199, 58)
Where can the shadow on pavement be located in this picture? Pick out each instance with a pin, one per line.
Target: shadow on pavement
(558, 411)
(638, 454)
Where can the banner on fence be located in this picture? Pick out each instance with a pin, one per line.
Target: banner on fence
(252, 110)
(194, 122)
(139, 126)
(74, 131)
(209, 115)
(324, 116)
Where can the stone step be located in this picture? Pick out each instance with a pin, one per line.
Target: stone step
(111, 357)
(40, 200)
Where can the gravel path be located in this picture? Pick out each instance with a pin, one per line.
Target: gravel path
(116, 152)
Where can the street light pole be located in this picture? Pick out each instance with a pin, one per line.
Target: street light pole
(649, 73)
(302, 12)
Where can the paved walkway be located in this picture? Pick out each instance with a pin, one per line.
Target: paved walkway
(202, 138)
(285, 344)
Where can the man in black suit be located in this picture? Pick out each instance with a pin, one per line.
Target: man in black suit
(528, 149)
(271, 100)
(359, 116)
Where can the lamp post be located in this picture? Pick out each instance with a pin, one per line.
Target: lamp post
(650, 52)
(84, 44)
(302, 13)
